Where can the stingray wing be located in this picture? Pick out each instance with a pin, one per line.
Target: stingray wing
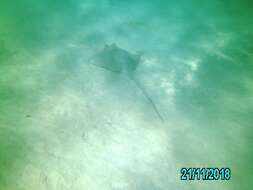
(106, 59)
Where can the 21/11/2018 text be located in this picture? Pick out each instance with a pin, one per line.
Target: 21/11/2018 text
(205, 174)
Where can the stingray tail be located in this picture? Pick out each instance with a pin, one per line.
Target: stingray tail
(149, 99)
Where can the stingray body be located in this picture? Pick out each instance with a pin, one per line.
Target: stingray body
(117, 60)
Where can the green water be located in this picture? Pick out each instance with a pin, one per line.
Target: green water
(67, 124)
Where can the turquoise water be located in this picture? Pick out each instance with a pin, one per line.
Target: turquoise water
(67, 124)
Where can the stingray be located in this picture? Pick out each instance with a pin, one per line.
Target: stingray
(117, 60)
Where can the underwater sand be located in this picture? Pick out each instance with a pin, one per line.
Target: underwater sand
(66, 124)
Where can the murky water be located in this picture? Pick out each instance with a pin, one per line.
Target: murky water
(68, 124)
